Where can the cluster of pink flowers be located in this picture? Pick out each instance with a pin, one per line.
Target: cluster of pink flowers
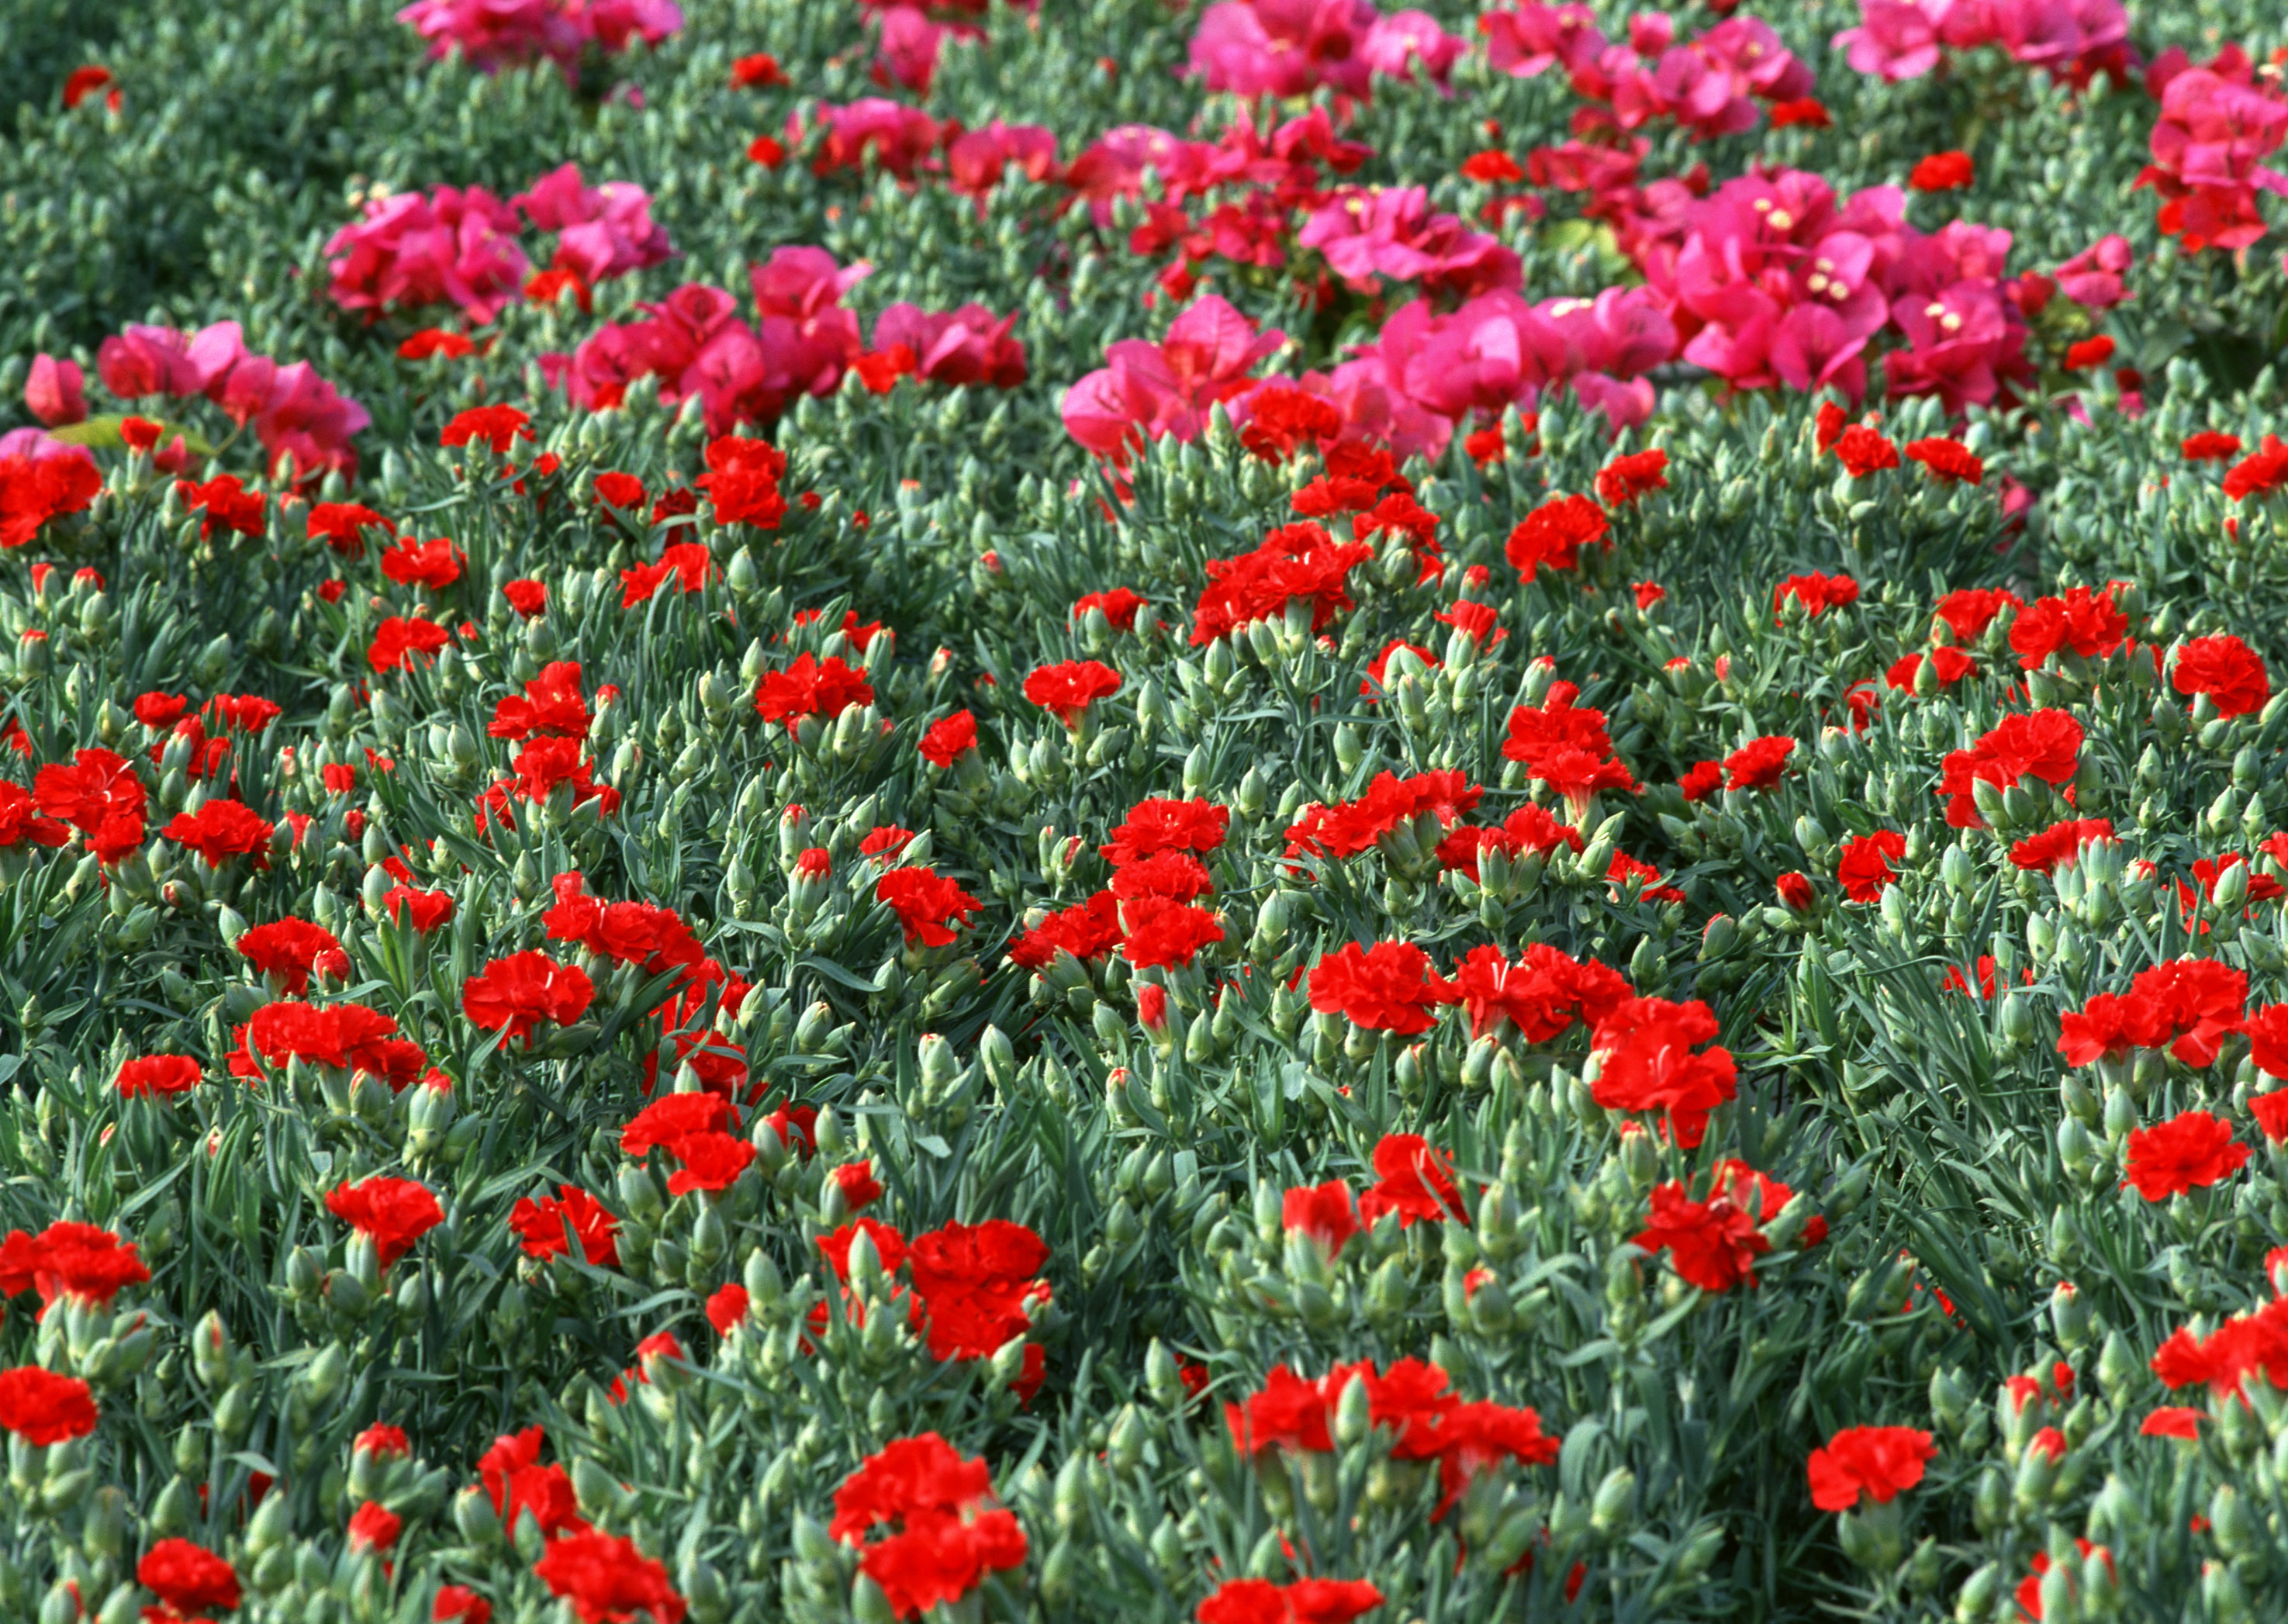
(2071, 40)
(1427, 372)
(458, 247)
(302, 421)
(696, 344)
(1772, 281)
(491, 34)
(1147, 391)
(1372, 231)
(1709, 86)
(913, 32)
(1292, 47)
(2216, 126)
(802, 342)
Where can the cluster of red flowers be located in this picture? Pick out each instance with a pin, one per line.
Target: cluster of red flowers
(1714, 1243)
(1566, 747)
(690, 1127)
(1307, 1601)
(1645, 1059)
(1149, 909)
(1299, 563)
(970, 1287)
(2187, 1007)
(922, 1520)
(1411, 1179)
(80, 1261)
(1413, 1401)
(2040, 744)
(1390, 803)
(345, 1036)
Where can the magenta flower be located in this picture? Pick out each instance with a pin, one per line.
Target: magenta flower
(602, 232)
(1145, 390)
(452, 246)
(1389, 230)
(968, 345)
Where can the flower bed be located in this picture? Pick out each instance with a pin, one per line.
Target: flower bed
(1250, 814)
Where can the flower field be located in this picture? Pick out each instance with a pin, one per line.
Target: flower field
(1251, 812)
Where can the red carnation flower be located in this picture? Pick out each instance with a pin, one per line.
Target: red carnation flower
(1950, 665)
(1942, 171)
(1155, 826)
(2089, 623)
(2208, 445)
(1948, 459)
(944, 741)
(1757, 764)
(374, 1527)
(397, 638)
(188, 1578)
(1864, 867)
(549, 1225)
(84, 81)
(1967, 612)
(1324, 1212)
(1554, 533)
(711, 1161)
(2042, 744)
(497, 426)
(2060, 842)
(929, 906)
(1876, 1462)
(156, 1076)
(2192, 1150)
(1711, 1244)
(1413, 1181)
(1862, 451)
(1306, 1601)
(1387, 988)
(944, 1536)
(343, 525)
(1624, 480)
(1643, 1048)
(727, 1308)
(1164, 933)
(2261, 473)
(42, 1407)
(33, 490)
(222, 503)
(383, 1441)
(742, 481)
(812, 687)
(1817, 593)
(2227, 671)
(1070, 688)
(606, 1579)
(516, 993)
(288, 950)
(220, 830)
(435, 565)
(423, 910)
(1118, 606)
(79, 1261)
(393, 1213)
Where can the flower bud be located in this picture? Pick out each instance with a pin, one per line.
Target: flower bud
(1613, 1506)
